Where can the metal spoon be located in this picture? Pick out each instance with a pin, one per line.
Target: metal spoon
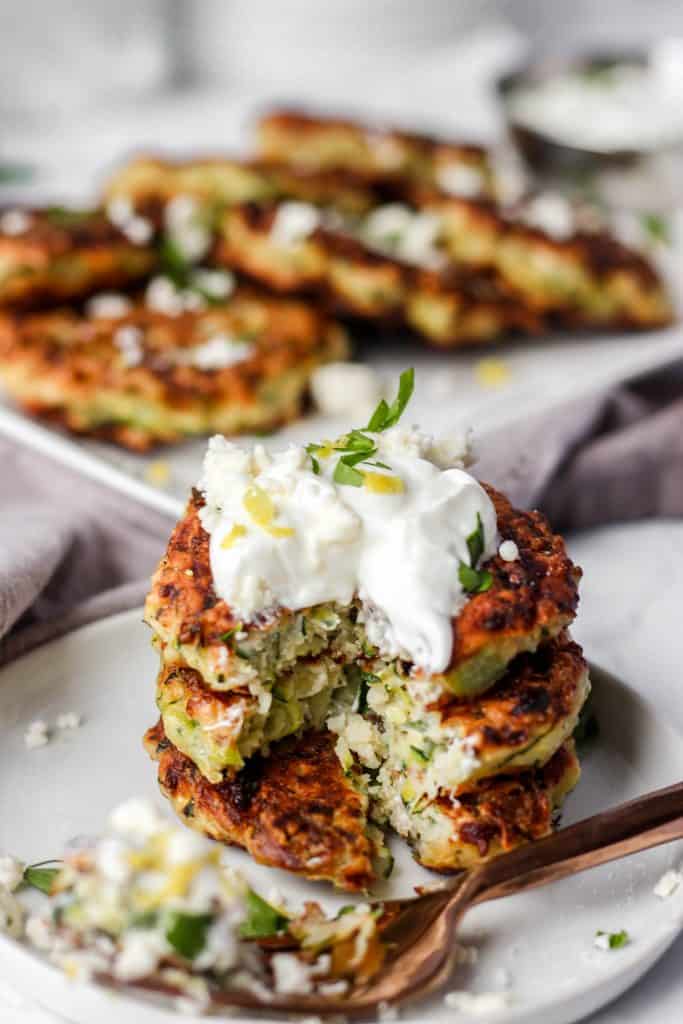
(422, 931)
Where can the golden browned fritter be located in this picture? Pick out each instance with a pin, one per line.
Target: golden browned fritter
(49, 255)
(319, 143)
(147, 377)
(493, 816)
(448, 307)
(530, 600)
(295, 810)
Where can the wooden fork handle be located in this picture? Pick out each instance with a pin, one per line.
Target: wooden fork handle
(634, 826)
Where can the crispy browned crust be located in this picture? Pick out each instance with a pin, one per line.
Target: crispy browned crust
(535, 594)
(63, 256)
(539, 693)
(355, 280)
(316, 142)
(57, 364)
(294, 810)
(526, 595)
(495, 815)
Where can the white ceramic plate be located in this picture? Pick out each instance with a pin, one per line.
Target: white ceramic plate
(541, 943)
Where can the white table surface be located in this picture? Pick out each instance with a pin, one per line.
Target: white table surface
(629, 622)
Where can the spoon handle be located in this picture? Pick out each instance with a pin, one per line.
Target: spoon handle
(637, 825)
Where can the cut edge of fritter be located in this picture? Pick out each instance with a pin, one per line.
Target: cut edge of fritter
(494, 816)
(295, 810)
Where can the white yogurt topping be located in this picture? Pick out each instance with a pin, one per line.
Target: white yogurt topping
(108, 305)
(284, 536)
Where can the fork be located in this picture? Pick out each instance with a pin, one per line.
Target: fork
(421, 932)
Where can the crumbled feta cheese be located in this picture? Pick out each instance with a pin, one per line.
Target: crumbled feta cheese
(136, 818)
(128, 340)
(601, 940)
(667, 884)
(163, 296)
(138, 230)
(37, 735)
(120, 211)
(40, 932)
(330, 989)
(11, 914)
(294, 221)
(69, 720)
(218, 353)
(340, 389)
(108, 306)
(141, 950)
(184, 224)
(184, 847)
(551, 213)
(460, 180)
(111, 860)
(15, 222)
(477, 1004)
(291, 975)
(411, 236)
(217, 284)
(11, 873)
(508, 551)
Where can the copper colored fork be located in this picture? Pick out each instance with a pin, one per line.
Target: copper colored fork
(421, 932)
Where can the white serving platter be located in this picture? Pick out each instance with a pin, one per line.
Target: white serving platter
(540, 945)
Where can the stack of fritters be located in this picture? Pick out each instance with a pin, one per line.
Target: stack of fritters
(291, 735)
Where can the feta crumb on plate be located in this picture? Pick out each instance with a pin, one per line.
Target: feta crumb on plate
(340, 389)
(478, 1004)
(37, 734)
(508, 551)
(667, 884)
(69, 720)
(11, 873)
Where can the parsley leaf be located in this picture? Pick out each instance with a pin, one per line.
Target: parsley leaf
(474, 581)
(386, 416)
(475, 542)
(40, 877)
(656, 227)
(262, 920)
(346, 474)
(173, 263)
(187, 932)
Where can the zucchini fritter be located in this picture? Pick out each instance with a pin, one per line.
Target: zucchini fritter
(319, 143)
(448, 307)
(469, 826)
(417, 741)
(148, 377)
(49, 255)
(295, 809)
(530, 601)
(219, 730)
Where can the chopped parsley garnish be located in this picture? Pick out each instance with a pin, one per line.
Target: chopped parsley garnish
(616, 939)
(473, 580)
(173, 263)
(356, 447)
(65, 217)
(230, 633)
(262, 920)
(41, 877)
(187, 932)
(656, 228)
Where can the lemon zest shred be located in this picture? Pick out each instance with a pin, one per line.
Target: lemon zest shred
(381, 483)
(261, 509)
(235, 533)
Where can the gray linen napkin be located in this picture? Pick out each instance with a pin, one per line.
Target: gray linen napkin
(72, 550)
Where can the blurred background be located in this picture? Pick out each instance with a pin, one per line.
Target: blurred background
(84, 81)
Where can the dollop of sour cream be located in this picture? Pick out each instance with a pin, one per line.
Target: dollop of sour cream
(283, 535)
